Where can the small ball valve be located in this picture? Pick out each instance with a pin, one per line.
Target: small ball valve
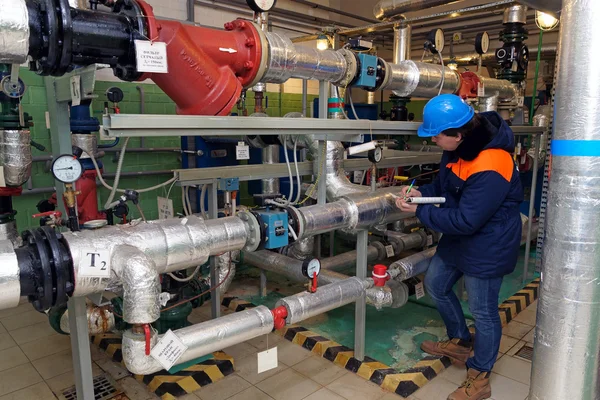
(380, 275)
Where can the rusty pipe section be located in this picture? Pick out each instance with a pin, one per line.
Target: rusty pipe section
(171, 244)
(100, 320)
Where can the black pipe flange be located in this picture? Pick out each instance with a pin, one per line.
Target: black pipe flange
(46, 272)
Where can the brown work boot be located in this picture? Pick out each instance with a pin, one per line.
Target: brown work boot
(476, 387)
(456, 349)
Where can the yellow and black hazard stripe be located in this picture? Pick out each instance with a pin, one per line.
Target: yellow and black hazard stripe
(170, 386)
(236, 304)
(509, 309)
(111, 344)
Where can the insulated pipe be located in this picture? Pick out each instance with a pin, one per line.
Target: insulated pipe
(15, 155)
(416, 79)
(201, 339)
(567, 332)
(306, 305)
(10, 285)
(402, 38)
(14, 31)
(550, 6)
(391, 9)
(488, 103)
(172, 244)
(413, 265)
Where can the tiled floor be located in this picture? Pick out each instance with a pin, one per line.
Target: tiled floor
(35, 362)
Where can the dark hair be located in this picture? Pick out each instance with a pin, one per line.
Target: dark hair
(468, 129)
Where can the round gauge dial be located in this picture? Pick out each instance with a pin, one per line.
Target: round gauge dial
(439, 40)
(311, 267)
(482, 43)
(67, 168)
(376, 155)
(261, 5)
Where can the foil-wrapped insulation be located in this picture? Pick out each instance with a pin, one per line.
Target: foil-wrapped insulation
(567, 333)
(141, 285)
(270, 155)
(100, 320)
(225, 269)
(8, 231)
(302, 249)
(416, 79)
(380, 297)
(488, 104)
(288, 61)
(412, 265)
(393, 9)
(172, 244)
(10, 285)
(88, 143)
(502, 88)
(402, 38)
(328, 217)
(14, 31)
(338, 184)
(376, 208)
(200, 339)
(306, 305)
(15, 154)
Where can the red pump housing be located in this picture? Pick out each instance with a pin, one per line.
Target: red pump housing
(207, 67)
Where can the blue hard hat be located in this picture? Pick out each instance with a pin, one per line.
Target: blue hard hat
(443, 112)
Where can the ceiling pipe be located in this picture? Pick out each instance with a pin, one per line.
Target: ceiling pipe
(393, 9)
(548, 6)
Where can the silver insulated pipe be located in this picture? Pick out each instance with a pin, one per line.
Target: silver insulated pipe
(15, 155)
(402, 37)
(566, 358)
(14, 32)
(416, 79)
(390, 9)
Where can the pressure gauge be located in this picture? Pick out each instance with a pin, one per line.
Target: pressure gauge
(67, 168)
(376, 155)
(435, 41)
(261, 5)
(482, 43)
(311, 267)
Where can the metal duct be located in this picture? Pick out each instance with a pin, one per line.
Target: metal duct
(416, 79)
(172, 244)
(488, 104)
(141, 285)
(390, 9)
(14, 31)
(402, 38)
(8, 231)
(270, 155)
(289, 61)
(200, 339)
(567, 333)
(10, 285)
(306, 305)
(100, 320)
(15, 155)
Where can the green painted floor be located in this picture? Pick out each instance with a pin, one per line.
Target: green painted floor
(393, 336)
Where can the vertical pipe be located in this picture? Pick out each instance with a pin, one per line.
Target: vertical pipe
(535, 79)
(304, 97)
(360, 314)
(270, 155)
(536, 150)
(568, 314)
(213, 213)
(322, 184)
(402, 38)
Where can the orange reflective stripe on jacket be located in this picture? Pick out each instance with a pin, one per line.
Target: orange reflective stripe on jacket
(488, 160)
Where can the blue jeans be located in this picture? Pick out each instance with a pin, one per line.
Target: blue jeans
(483, 303)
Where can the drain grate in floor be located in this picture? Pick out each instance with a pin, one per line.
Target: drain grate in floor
(104, 389)
(525, 352)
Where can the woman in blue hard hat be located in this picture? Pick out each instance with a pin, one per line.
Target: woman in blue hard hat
(481, 226)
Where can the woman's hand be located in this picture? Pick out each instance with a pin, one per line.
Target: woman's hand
(404, 206)
(413, 192)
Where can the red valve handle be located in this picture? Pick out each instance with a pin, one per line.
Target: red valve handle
(279, 315)
(58, 214)
(315, 279)
(147, 333)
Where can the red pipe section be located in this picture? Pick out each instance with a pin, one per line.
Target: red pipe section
(207, 67)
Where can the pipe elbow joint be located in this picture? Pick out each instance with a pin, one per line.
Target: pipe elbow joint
(134, 353)
(141, 285)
